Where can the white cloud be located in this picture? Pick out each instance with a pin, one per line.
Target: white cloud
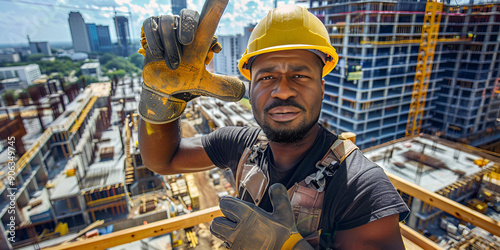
(195, 4)
(123, 2)
(107, 15)
(86, 17)
(165, 9)
(239, 14)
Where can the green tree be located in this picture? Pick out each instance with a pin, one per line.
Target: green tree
(58, 66)
(106, 57)
(121, 63)
(136, 59)
(64, 58)
(35, 57)
(9, 64)
(119, 74)
(88, 80)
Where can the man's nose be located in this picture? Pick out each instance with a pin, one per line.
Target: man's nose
(283, 89)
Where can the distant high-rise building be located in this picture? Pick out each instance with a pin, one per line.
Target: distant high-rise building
(226, 62)
(247, 30)
(177, 6)
(104, 37)
(79, 34)
(39, 47)
(99, 38)
(93, 37)
(122, 34)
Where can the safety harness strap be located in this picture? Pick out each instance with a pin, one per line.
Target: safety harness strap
(342, 148)
(239, 170)
(252, 176)
(306, 197)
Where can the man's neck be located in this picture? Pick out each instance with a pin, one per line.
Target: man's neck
(286, 155)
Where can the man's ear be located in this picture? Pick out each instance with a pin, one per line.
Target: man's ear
(322, 88)
(250, 92)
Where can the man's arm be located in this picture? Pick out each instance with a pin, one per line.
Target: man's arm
(173, 74)
(383, 233)
(164, 151)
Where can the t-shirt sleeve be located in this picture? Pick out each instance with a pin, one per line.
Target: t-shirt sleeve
(370, 196)
(225, 145)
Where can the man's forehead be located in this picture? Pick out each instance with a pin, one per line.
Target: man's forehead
(322, 56)
(298, 60)
(295, 67)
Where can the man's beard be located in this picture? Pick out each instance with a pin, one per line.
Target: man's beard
(286, 134)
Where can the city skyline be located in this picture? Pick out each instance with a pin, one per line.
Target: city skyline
(48, 21)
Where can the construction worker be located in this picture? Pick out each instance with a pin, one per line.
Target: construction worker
(300, 186)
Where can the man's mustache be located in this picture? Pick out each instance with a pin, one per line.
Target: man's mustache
(279, 102)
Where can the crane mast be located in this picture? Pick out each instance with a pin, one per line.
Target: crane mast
(428, 40)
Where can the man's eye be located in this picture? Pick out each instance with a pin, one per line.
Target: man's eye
(266, 78)
(299, 76)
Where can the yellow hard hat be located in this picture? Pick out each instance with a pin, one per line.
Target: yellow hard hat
(286, 28)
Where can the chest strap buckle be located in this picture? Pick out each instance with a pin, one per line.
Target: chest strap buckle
(318, 180)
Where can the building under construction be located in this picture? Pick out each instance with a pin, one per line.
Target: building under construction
(452, 189)
(77, 169)
(43, 190)
(370, 92)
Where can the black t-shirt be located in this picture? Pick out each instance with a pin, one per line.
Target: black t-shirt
(358, 193)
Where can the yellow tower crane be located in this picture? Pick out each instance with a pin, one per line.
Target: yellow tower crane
(428, 40)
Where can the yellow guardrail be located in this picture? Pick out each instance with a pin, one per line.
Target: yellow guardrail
(105, 200)
(190, 220)
(447, 205)
(144, 231)
(83, 115)
(21, 163)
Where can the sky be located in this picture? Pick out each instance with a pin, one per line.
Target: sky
(47, 20)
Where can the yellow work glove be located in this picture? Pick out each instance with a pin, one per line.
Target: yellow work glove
(176, 49)
(247, 226)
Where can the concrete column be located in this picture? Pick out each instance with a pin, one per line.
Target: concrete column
(415, 207)
(83, 206)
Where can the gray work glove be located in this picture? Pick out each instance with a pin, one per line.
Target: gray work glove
(246, 226)
(176, 49)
